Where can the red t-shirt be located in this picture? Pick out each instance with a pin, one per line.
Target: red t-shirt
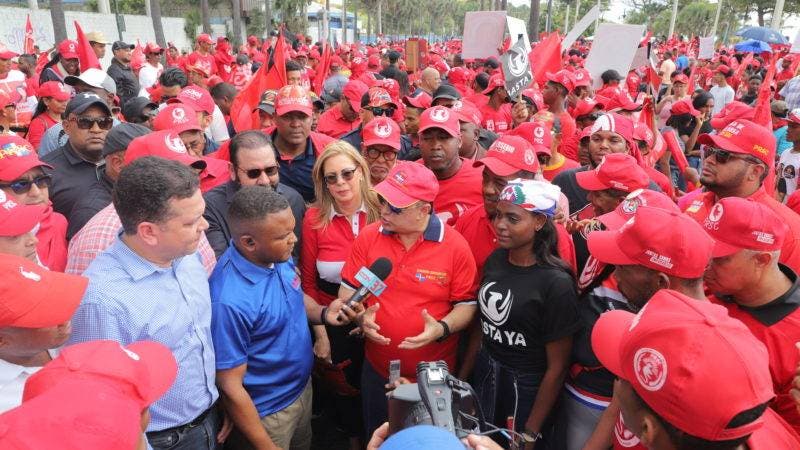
(332, 123)
(206, 62)
(550, 172)
(477, 99)
(459, 193)
(36, 129)
(497, 120)
(784, 75)
(52, 236)
(435, 274)
(790, 252)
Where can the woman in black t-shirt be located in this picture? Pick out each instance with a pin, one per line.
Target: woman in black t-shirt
(528, 312)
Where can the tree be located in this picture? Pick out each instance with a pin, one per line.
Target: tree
(533, 21)
(158, 26)
(59, 23)
(763, 9)
(205, 14)
(236, 5)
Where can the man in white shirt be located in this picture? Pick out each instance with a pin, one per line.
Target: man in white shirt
(722, 92)
(36, 306)
(151, 69)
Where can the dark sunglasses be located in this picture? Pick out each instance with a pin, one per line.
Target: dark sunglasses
(393, 209)
(591, 116)
(87, 123)
(723, 156)
(378, 111)
(271, 171)
(388, 155)
(24, 186)
(346, 174)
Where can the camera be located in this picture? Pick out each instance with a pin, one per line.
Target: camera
(438, 399)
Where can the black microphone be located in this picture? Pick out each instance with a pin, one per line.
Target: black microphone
(378, 271)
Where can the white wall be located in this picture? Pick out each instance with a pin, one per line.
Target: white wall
(12, 28)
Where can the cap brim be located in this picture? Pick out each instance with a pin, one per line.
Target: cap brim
(542, 150)
(58, 305)
(604, 247)
(721, 249)
(613, 220)
(292, 108)
(25, 218)
(394, 196)
(17, 171)
(161, 366)
(497, 166)
(82, 108)
(388, 142)
(588, 180)
(69, 55)
(718, 141)
(607, 336)
(269, 109)
(451, 133)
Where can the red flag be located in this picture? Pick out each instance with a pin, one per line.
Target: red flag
(671, 138)
(137, 56)
(646, 39)
(547, 57)
(692, 78)
(28, 43)
(745, 62)
(323, 69)
(86, 55)
(244, 103)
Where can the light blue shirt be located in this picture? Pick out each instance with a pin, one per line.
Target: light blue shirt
(130, 299)
(780, 138)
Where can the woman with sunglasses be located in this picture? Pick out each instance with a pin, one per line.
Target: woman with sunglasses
(22, 177)
(53, 97)
(344, 205)
(528, 312)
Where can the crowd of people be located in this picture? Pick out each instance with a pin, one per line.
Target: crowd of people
(608, 267)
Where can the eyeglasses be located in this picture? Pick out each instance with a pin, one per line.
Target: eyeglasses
(388, 155)
(346, 174)
(378, 111)
(24, 186)
(270, 171)
(87, 123)
(723, 156)
(393, 209)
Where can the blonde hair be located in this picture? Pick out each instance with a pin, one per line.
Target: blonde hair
(325, 202)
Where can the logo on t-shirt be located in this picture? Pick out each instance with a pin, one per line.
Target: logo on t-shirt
(495, 306)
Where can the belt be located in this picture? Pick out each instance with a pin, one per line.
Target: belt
(197, 421)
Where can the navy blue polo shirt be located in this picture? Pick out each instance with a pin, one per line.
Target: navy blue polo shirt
(258, 318)
(296, 172)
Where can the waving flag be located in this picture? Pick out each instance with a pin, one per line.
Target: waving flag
(267, 77)
(28, 43)
(323, 69)
(86, 55)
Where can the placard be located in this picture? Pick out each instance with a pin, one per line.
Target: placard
(516, 69)
(580, 27)
(483, 34)
(516, 27)
(613, 48)
(706, 50)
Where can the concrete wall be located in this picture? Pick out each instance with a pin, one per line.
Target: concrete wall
(12, 28)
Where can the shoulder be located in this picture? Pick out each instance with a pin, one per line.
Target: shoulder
(567, 176)
(54, 157)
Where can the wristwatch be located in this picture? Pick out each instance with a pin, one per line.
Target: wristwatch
(446, 333)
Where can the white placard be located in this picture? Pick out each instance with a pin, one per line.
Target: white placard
(613, 48)
(483, 34)
(515, 28)
(796, 44)
(706, 50)
(580, 27)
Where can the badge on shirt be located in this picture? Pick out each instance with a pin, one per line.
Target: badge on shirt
(424, 275)
(695, 206)
(296, 282)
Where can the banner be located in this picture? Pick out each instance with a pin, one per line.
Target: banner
(516, 28)
(706, 47)
(580, 27)
(614, 47)
(516, 69)
(483, 34)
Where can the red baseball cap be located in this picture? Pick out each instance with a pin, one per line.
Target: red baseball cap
(585, 106)
(467, 112)
(508, 155)
(17, 219)
(440, 117)
(380, 97)
(422, 100)
(615, 171)
(408, 183)
(495, 81)
(204, 38)
(564, 78)
(68, 49)
(680, 78)
(664, 240)
(177, 117)
(536, 97)
(381, 130)
(353, 91)
(745, 137)
(642, 132)
(458, 75)
(373, 61)
(54, 89)
(153, 48)
(252, 39)
(640, 197)
(17, 156)
(614, 123)
(537, 133)
(199, 69)
(165, 144)
(794, 116)
(730, 112)
(582, 77)
(34, 297)
(724, 70)
(5, 100)
(740, 224)
(143, 370)
(689, 361)
(684, 107)
(294, 98)
(197, 98)
(8, 54)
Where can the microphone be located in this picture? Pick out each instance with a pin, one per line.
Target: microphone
(371, 280)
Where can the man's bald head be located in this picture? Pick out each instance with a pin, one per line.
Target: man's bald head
(429, 80)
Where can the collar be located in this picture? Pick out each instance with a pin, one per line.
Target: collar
(434, 231)
(10, 371)
(251, 272)
(334, 213)
(132, 263)
(309, 147)
(72, 156)
(778, 309)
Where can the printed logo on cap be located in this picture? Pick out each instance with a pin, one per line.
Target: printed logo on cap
(502, 147)
(179, 115)
(174, 143)
(659, 260)
(88, 95)
(400, 177)
(33, 276)
(538, 132)
(14, 149)
(650, 368)
(530, 157)
(578, 75)
(764, 237)
(192, 93)
(71, 46)
(494, 305)
(603, 123)
(714, 215)
(383, 130)
(633, 201)
(440, 114)
(131, 355)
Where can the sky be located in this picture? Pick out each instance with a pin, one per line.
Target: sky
(614, 13)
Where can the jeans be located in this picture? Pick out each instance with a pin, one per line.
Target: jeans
(374, 400)
(201, 437)
(505, 392)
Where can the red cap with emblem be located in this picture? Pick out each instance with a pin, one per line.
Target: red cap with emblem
(381, 131)
(582, 77)
(467, 112)
(408, 183)
(68, 49)
(196, 97)
(642, 132)
(564, 78)
(684, 107)
(740, 224)
(178, 118)
(379, 97)
(508, 155)
(744, 137)
(663, 352)
(440, 117)
(495, 81)
(615, 171)
(165, 144)
(586, 106)
(54, 89)
(537, 133)
(730, 112)
(293, 98)
(640, 197)
(17, 156)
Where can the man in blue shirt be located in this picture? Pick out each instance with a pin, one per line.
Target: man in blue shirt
(260, 325)
(151, 285)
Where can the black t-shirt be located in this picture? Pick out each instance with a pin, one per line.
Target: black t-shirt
(524, 308)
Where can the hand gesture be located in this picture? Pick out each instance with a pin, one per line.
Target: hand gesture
(519, 112)
(432, 331)
(370, 328)
(344, 312)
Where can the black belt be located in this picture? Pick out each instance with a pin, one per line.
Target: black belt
(328, 287)
(180, 428)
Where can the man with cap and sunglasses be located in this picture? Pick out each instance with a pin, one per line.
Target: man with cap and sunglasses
(122, 73)
(380, 147)
(429, 296)
(377, 102)
(747, 278)
(152, 68)
(737, 161)
(459, 182)
(87, 120)
(344, 116)
(37, 306)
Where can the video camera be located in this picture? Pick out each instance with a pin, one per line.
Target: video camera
(438, 399)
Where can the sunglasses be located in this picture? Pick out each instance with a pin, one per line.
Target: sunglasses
(24, 186)
(87, 123)
(388, 155)
(723, 156)
(346, 174)
(270, 171)
(388, 112)
(393, 209)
